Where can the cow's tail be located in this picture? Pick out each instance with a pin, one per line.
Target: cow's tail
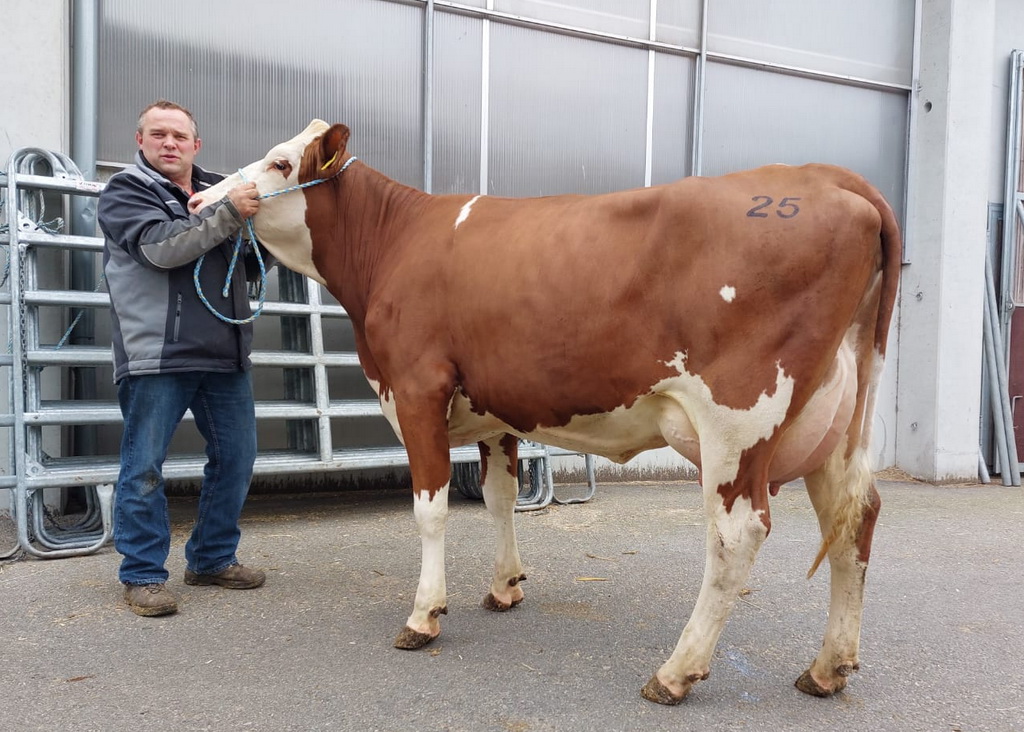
(850, 469)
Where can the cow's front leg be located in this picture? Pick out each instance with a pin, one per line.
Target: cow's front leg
(431, 595)
(734, 535)
(499, 459)
(425, 430)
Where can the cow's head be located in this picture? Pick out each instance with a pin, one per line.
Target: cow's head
(318, 152)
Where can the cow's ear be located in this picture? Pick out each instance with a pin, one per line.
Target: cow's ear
(332, 148)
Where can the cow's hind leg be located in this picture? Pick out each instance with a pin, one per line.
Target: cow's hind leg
(847, 504)
(501, 488)
(737, 524)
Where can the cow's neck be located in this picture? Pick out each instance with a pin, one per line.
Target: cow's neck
(373, 214)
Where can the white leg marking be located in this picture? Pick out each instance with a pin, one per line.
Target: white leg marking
(464, 211)
(839, 492)
(500, 490)
(431, 594)
(733, 539)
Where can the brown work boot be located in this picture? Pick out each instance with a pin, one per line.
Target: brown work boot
(235, 577)
(150, 600)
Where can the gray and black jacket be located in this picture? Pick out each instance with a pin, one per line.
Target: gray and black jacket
(159, 323)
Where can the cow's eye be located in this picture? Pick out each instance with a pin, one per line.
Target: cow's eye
(281, 165)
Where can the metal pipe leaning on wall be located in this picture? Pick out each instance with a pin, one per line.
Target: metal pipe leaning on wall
(995, 360)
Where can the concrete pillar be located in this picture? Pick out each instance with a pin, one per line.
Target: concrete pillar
(940, 346)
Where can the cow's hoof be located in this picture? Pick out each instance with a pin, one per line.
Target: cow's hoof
(506, 599)
(410, 640)
(493, 603)
(809, 685)
(656, 691)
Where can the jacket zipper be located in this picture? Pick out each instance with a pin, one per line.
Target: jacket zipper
(177, 319)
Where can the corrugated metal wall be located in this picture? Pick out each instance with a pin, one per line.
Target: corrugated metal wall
(564, 113)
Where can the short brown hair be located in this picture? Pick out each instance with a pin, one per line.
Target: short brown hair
(164, 104)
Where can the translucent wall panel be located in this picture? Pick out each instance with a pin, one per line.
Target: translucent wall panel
(458, 72)
(679, 23)
(253, 80)
(621, 17)
(871, 39)
(566, 114)
(753, 118)
(673, 118)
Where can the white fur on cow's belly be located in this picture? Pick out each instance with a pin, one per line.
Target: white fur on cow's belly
(674, 412)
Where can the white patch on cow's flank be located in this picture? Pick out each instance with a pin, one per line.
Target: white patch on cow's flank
(726, 432)
(679, 411)
(464, 211)
(728, 293)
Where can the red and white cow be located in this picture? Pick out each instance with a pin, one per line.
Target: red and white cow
(742, 320)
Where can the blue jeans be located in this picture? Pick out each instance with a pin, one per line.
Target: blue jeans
(152, 406)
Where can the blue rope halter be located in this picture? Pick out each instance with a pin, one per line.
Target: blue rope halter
(259, 257)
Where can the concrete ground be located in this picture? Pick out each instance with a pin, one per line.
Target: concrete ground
(611, 584)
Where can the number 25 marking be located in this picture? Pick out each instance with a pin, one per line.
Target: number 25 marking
(785, 209)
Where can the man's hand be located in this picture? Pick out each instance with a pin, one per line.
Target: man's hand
(246, 199)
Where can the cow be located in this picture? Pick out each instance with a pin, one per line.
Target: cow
(741, 320)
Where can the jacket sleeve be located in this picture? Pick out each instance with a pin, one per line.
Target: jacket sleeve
(134, 217)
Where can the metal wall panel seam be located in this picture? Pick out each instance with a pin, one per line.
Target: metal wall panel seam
(485, 100)
(699, 83)
(428, 98)
(649, 144)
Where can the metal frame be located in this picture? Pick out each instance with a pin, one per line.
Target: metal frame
(999, 313)
(27, 506)
(1013, 198)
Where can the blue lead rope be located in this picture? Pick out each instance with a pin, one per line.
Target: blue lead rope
(225, 291)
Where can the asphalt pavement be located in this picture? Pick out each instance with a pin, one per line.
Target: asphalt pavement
(611, 584)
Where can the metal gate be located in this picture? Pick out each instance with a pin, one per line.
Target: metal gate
(28, 239)
(1008, 421)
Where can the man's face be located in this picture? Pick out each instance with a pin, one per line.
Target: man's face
(167, 143)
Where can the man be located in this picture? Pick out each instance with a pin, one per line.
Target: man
(171, 354)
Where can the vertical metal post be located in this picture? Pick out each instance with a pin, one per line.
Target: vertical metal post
(485, 101)
(295, 336)
(84, 113)
(649, 145)
(428, 98)
(17, 324)
(699, 83)
(320, 385)
(1011, 221)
